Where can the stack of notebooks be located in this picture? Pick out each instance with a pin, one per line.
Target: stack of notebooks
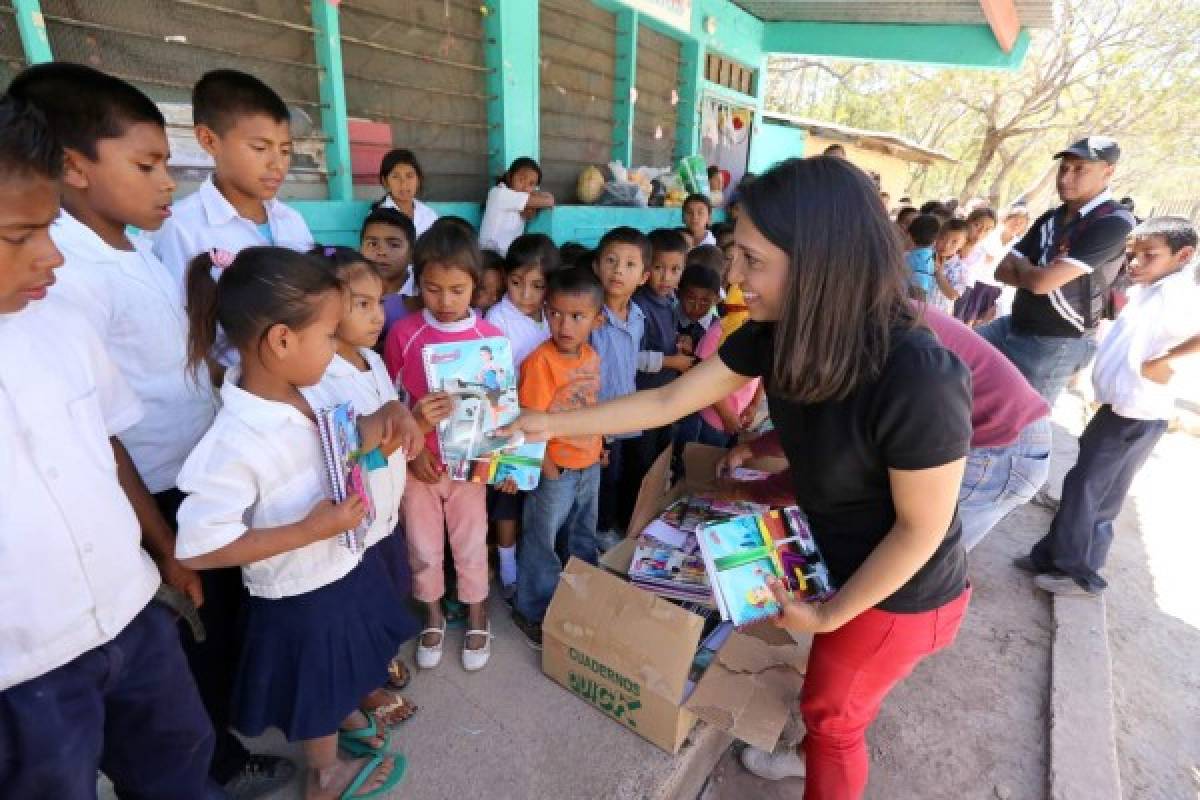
(668, 560)
(345, 472)
(741, 555)
(480, 377)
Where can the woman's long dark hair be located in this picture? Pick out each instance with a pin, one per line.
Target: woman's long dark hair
(846, 291)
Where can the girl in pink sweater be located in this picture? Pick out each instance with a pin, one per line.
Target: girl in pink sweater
(447, 267)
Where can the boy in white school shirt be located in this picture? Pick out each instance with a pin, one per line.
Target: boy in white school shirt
(115, 176)
(1135, 362)
(245, 126)
(92, 676)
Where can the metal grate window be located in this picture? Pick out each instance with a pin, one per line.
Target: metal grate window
(164, 46)
(12, 56)
(578, 67)
(655, 112)
(418, 65)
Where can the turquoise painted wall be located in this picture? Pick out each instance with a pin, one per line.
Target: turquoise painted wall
(774, 143)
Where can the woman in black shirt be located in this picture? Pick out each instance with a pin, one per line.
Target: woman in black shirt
(875, 420)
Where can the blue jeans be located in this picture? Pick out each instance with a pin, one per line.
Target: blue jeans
(559, 521)
(1047, 362)
(693, 428)
(1112, 449)
(128, 708)
(998, 479)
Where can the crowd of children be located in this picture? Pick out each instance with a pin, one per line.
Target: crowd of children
(162, 388)
(228, 329)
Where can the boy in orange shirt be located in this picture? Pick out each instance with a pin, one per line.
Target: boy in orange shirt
(561, 374)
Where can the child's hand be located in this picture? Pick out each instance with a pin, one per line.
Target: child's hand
(375, 429)
(734, 457)
(182, 578)
(326, 519)
(798, 616)
(1158, 370)
(680, 363)
(509, 486)
(432, 409)
(425, 467)
(550, 470)
(528, 214)
(685, 345)
(746, 418)
(406, 431)
(604, 457)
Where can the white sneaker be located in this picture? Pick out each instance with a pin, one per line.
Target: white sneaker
(430, 657)
(786, 763)
(475, 660)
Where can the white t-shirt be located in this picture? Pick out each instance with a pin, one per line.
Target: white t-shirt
(524, 332)
(422, 217)
(73, 572)
(1157, 318)
(133, 303)
(205, 220)
(366, 392)
(259, 466)
(502, 222)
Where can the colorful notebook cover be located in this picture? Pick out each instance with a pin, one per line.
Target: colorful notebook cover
(676, 572)
(479, 375)
(345, 472)
(741, 554)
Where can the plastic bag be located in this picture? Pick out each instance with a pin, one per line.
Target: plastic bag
(622, 194)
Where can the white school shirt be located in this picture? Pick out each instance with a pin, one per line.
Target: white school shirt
(524, 332)
(366, 392)
(73, 572)
(1156, 318)
(422, 217)
(134, 304)
(502, 222)
(205, 220)
(259, 466)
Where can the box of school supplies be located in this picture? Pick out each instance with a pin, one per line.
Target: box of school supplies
(480, 377)
(645, 663)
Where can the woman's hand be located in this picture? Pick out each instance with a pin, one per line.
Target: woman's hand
(425, 468)
(735, 457)
(533, 425)
(796, 615)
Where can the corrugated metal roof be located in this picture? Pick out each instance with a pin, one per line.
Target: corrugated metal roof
(881, 141)
(1033, 13)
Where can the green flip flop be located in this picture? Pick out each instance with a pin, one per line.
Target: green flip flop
(355, 741)
(399, 767)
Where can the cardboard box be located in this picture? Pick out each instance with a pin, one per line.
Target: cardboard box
(627, 652)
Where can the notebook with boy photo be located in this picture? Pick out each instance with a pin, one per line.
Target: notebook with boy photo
(480, 377)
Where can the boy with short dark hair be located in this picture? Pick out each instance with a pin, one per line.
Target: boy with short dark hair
(1135, 363)
(622, 263)
(387, 240)
(923, 231)
(92, 675)
(246, 128)
(560, 514)
(697, 213)
(699, 289)
(116, 177)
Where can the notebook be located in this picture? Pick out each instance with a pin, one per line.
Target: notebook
(345, 473)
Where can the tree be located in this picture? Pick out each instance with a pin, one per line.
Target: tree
(1115, 68)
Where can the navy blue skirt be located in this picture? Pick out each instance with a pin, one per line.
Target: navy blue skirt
(308, 661)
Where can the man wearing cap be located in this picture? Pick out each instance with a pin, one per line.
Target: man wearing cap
(1062, 269)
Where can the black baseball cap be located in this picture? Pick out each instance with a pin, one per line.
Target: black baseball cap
(1094, 148)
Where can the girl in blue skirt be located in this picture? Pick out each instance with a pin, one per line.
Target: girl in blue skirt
(316, 639)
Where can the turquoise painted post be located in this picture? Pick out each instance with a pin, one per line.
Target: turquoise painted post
(32, 28)
(691, 79)
(625, 86)
(511, 54)
(328, 41)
